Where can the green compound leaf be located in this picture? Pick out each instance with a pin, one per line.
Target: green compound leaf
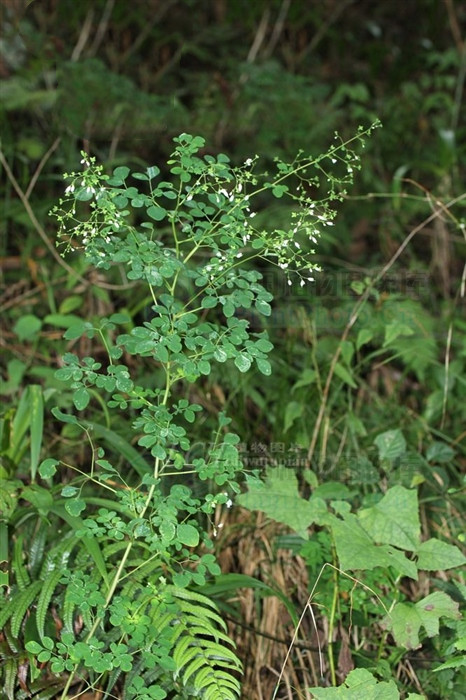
(360, 684)
(395, 519)
(278, 497)
(435, 555)
(406, 620)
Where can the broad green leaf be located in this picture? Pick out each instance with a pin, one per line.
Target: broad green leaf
(345, 375)
(391, 445)
(70, 304)
(394, 520)
(435, 555)
(454, 662)
(347, 351)
(278, 497)
(440, 452)
(406, 620)
(294, 410)
(364, 337)
(308, 376)
(187, 535)
(27, 327)
(356, 550)
(395, 329)
(360, 684)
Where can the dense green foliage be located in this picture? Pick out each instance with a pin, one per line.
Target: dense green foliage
(237, 382)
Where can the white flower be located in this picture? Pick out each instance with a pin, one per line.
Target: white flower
(229, 503)
(248, 161)
(69, 189)
(302, 283)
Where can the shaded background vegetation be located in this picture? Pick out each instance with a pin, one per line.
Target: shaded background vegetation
(120, 80)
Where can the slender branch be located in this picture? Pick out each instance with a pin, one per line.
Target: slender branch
(39, 168)
(35, 222)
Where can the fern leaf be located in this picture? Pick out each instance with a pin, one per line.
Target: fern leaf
(192, 668)
(112, 679)
(48, 588)
(21, 574)
(202, 663)
(68, 611)
(36, 548)
(21, 604)
(10, 674)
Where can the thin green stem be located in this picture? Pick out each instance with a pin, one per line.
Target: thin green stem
(331, 621)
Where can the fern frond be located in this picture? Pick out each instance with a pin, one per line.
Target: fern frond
(21, 575)
(48, 588)
(112, 679)
(204, 665)
(20, 605)
(69, 606)
(10, 674)
(37, 548)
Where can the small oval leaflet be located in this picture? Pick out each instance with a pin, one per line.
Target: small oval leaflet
(187, 535)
